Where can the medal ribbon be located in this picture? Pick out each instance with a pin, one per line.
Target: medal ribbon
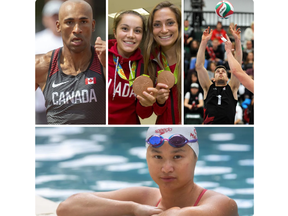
(166, 67)
(121, 72)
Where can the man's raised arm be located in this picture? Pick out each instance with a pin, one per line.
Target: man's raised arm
(234, 82)
(237, 36)
(236, 68)
(201, 70)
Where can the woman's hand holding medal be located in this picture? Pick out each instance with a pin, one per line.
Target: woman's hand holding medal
(147, 95)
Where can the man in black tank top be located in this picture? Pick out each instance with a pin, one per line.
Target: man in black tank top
(72, 78)
(220, 96)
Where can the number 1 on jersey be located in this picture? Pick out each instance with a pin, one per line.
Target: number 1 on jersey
(219, 99)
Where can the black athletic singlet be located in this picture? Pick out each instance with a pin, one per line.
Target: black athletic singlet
(76, 99)
(219, 105)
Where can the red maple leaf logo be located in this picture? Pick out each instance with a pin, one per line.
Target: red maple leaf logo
(193, 135)
(208, 120)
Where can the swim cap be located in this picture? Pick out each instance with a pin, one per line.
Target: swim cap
(188, 132)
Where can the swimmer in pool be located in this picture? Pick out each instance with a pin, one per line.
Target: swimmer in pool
(171, 155)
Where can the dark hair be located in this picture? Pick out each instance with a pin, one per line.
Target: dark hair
(247, 60)
(220, 66)
(212, 62)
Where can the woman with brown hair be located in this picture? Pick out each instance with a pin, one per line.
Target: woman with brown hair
(124, 65)
(163, 52)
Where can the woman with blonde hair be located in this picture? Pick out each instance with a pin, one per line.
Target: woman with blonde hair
(163, 52)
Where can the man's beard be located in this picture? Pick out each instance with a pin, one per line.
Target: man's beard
(220, 82)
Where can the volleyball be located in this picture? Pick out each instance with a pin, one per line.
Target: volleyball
(224, 9)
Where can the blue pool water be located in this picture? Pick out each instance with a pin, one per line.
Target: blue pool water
(81, 159)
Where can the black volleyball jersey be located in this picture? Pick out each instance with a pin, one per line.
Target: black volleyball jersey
(76, 99)
(219, 105)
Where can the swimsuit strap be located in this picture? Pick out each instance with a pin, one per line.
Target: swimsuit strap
(158, 202)
(200, 196)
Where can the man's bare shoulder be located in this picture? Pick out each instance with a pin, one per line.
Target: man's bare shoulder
(43, 59)
(42, 63)
(221, 204)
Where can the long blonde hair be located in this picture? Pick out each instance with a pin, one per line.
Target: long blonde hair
(151, 46)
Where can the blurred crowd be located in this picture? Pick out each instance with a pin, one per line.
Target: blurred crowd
(215, 55)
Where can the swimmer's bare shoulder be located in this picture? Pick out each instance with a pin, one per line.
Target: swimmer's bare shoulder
(42, 63)
(216, 204)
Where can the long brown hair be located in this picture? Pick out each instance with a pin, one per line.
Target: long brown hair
(151, 46)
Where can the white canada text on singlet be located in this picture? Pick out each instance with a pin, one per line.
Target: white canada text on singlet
(74, 97)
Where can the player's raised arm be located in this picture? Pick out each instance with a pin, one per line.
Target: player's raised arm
(236, 69)
(237, 36)
(203, 76)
